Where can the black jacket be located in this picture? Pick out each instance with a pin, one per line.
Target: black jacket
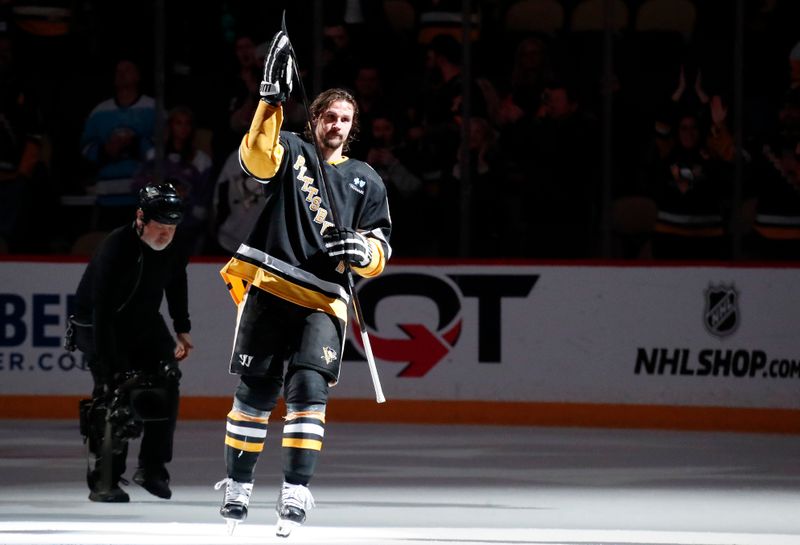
(122, 288)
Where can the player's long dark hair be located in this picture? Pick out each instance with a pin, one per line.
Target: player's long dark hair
(323, 101)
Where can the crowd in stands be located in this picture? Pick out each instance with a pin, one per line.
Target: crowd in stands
(687, 179)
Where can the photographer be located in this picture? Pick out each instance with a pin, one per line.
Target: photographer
(131, 353)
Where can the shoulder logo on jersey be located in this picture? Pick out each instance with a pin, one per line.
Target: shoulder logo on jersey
(358, 185)
(245, 360)
(312, 198)
(328, 354)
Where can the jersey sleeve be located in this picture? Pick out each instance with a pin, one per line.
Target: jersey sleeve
(261, 152)
(376, 224)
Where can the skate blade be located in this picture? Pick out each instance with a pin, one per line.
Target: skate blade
(232, 524)
(285, 527)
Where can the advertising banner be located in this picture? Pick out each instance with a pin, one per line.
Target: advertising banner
(694, 336)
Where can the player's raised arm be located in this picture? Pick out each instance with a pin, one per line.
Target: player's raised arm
(260, 152)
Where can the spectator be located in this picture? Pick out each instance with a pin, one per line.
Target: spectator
(530, 73)
(188, 169)
(339, 60)
(116, 138)
(22, 173)
(396, 165)
(237, 203)
(439, 111)
(555, 159)
(240, 96)
(369, 92)
(776, 186)
(444, 95)
(691, 188)
(776, 233)
(492, 198)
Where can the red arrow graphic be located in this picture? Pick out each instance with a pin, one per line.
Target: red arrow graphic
(422, 349)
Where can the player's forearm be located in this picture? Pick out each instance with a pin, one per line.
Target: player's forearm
(261, 152)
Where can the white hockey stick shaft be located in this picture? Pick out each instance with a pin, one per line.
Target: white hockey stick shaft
(373, 370)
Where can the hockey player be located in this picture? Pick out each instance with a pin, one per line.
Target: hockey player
(288, 281)
(118, 325)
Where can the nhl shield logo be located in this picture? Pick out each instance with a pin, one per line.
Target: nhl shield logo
(721, 315)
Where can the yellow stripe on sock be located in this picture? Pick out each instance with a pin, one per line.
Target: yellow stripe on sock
(311, 444)
(244, 445)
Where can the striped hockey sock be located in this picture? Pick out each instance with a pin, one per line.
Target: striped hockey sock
(302, 442)
(245, 433)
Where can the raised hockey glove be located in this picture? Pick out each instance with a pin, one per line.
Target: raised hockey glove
(347, 244)
(276, 84)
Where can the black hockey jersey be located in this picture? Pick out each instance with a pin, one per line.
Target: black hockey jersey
(284, 253)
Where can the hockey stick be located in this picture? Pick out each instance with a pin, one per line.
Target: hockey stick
(323, 180)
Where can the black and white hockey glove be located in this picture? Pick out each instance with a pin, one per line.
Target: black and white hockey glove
(276, 84)
(348, 244)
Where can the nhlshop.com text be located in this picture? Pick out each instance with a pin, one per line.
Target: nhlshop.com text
(739, 363)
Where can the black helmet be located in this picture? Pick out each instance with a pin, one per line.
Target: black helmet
(161, 203)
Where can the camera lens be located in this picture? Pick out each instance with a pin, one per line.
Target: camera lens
(172, 371)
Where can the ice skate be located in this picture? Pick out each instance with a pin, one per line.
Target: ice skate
(293, 503)
(237, 498)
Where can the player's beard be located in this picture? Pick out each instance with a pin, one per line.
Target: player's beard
(331, 142)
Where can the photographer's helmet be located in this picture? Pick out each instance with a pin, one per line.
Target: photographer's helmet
(161, 203)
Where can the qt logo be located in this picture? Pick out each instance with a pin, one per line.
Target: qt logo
(425, 342)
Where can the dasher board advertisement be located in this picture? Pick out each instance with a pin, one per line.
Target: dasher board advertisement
(695, 336)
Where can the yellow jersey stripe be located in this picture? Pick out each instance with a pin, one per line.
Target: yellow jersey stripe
(282, 288)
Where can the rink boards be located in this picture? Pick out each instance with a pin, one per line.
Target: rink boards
(594, 344)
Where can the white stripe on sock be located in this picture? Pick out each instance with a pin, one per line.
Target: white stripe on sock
(248, 432)
(304, 428)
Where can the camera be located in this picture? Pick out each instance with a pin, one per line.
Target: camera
(171, 371)
(124, 423)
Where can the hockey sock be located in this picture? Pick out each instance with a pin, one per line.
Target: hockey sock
(245, 433)
(302, 441)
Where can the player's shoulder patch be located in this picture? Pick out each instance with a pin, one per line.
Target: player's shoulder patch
(360, 176)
